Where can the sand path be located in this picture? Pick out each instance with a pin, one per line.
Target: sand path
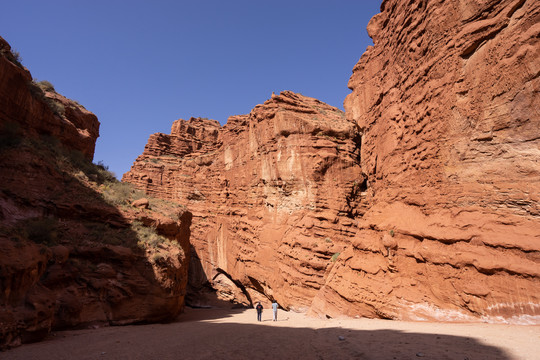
(235, 334)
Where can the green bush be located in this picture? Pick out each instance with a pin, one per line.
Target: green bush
(147, 236)
(67, 160)
(104, 233)
(77, 103)
(45, 85)
(38, 92)
(14, 57)
(334, 257)
(56, 107)
(137, 194)
(118, 193)
(165, 207)
(98, 172)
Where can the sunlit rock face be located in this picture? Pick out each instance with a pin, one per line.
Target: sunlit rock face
(447, 103)
(421, 204)
(274, 195)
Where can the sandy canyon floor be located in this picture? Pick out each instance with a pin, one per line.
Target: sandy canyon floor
(235, 334)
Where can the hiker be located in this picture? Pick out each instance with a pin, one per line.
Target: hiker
(259, 308)
(274, 309)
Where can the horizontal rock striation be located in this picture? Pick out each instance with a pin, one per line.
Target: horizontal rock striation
(447, 103)
(421, 204)
(273, 194)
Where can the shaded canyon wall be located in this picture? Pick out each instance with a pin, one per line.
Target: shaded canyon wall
(73, 252)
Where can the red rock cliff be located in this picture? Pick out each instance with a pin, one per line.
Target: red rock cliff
(22, 102)
(73, 251)
(421, 204)
(447, 102)
(273, 195)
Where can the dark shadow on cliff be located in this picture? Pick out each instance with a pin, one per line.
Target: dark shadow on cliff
(199, 337)
(69, 258)
(201, 294)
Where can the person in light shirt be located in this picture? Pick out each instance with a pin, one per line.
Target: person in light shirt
(274, 309)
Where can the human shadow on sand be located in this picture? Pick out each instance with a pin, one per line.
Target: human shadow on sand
(203, 337)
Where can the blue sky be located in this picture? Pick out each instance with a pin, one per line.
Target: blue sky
(140, 65)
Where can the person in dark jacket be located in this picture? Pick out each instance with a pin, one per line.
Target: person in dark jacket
(259, 308)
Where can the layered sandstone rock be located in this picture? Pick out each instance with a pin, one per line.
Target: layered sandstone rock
(73, 251)
(25, 104)
(422, 204)
(89, 272)
(447, 102)
(273, 194)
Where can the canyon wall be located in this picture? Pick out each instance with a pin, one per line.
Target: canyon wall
(74, 252)
(447, 103)
(421, 204)
(273, 195)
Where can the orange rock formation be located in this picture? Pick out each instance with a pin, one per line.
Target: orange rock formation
(421, 204)
(273, 195)
(446, 100)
